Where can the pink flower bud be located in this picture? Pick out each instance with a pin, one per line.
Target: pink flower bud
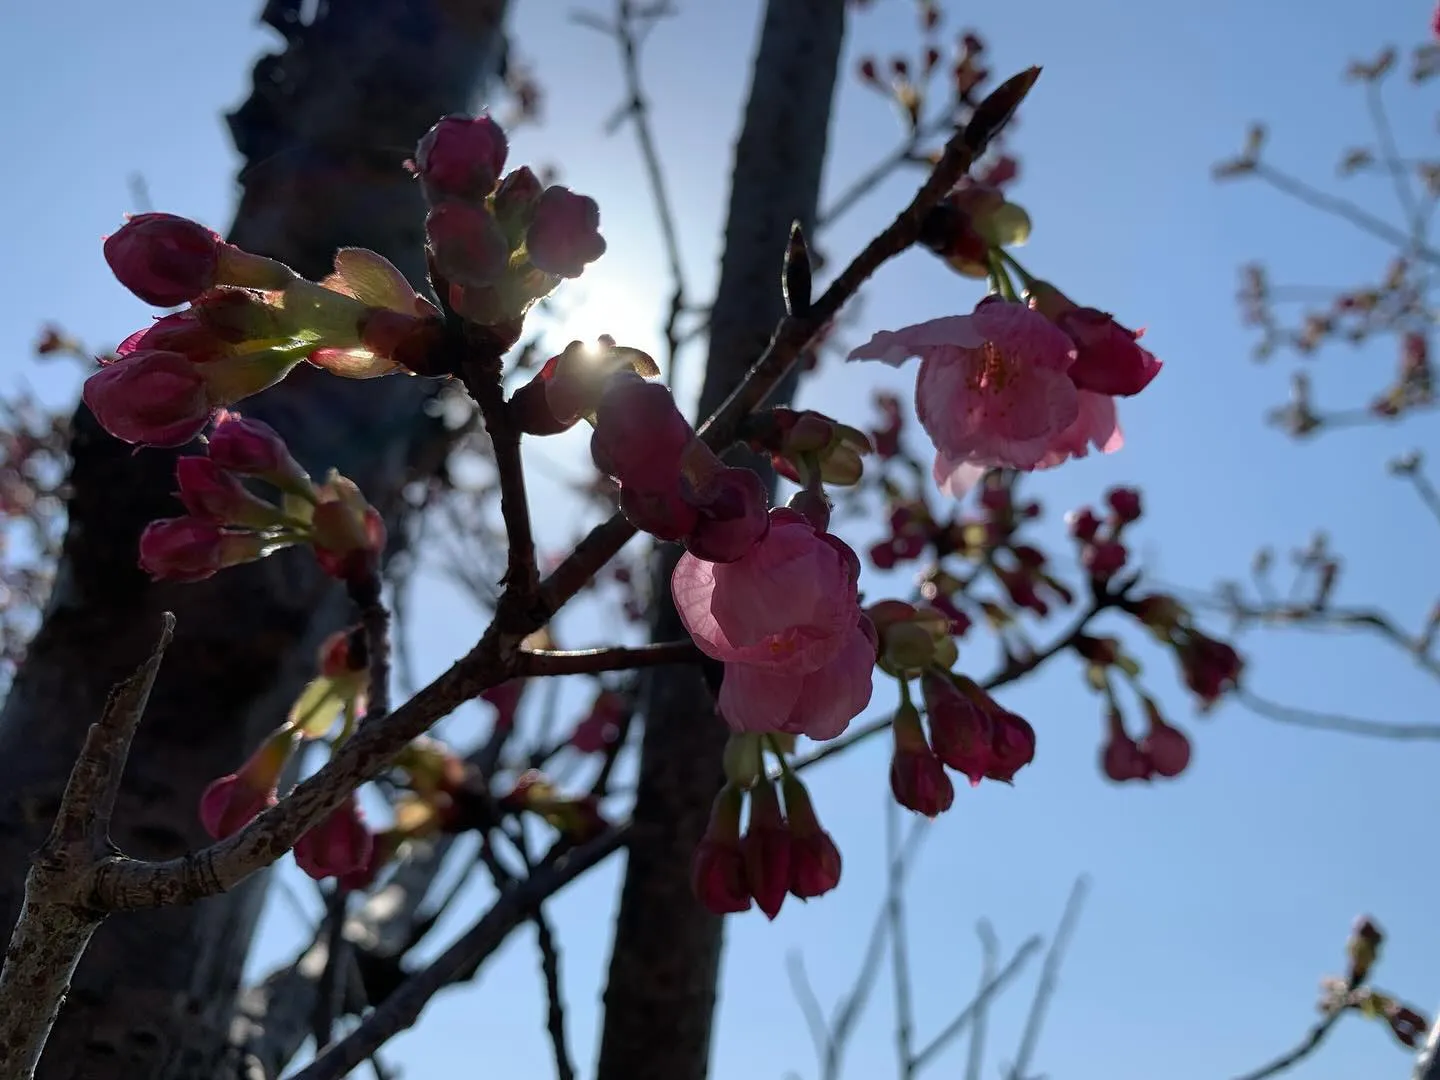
(960, 731)
(640, 436)
(1012, 745)
(342, 653)
(1108, 359)
(1083, 524)
(149, 399)
(1166, 748)
(230, 802)
(347, 533)
(734, 515)
(339, 845)
(163, 259)
(766, 849)
(663, 514)
(467, 244)
(917, 778)
(1120, 758)
(253, 448)
(189, 549)
(516, 199)
(1125, 503)
(183, 332)
(1210, 667)
(461, 157)
(814, 858)
(1104, 559)
(565, 233)
(717, 871)
(212, 494)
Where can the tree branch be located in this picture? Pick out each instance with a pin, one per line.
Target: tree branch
(615, 658)
(57, 920)
(1349, 725)
(899, 946)
(979, 1002)
(989, 964)
(1049, 975)
(1307, 1046)
(554, 997)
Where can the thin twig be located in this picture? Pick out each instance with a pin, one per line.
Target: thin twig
(58, 919)
(1390, 155)
(1426, 490)
(330, 992)
(555, 1002)
(1323, 721)
(403, 1007)
(899, 946)
(989, 964)
(982, 999)
(906, 153)
(809, 1003)
(1307, 1046)
(1049, 976)
(615, 658)
(1344, 210)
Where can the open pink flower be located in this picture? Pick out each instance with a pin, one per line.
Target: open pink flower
(1098, 425)
(993, 387)
(785, 619)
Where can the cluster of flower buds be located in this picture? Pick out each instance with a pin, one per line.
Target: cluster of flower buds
(911, 639)
(1163, 752)
(1407, 1024)
(909, 81)
(340, 846)
(783, 852)
(970, 732)
(804, 444)
(249, 322)
(497, 244)
(227, 524)
(970, 223)
(1210, 667)
(1102, 550)
(671, 484)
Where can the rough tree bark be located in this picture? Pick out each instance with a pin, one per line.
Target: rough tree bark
(324, 134)
(660, 997)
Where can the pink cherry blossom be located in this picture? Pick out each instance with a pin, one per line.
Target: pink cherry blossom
(784, 618)
(1096, 425)
(993, 387)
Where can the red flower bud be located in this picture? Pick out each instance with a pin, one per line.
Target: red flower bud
(733, 515)
(1125, 503)
(163, 259)
(766, 848)
(182, 332)
(1012, 745)
(814, 858)
(506, 699)
(717, 871)
(564, 234)
(960, 730)
(1120, 758)
(467, 244)
(150, 399)
(212, 494)
(253, 448)
(189, 549)
(1082, 523)
(917, 778)
(1104, 559)
(1210, 667)
(1166, 748)
(339, 845)
(229, 803)
(1108, 358)
(461, 157)
(347, 533)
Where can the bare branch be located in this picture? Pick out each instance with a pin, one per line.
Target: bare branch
(1308, 1045)
(989, 964)
(981, 1000)
(57, 919)
(899, 946)
(555, 1002)
(1049, 975)
(616, 658)
(1323, 721)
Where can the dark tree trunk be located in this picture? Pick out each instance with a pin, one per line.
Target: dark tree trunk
(660, 999)
(324, 133)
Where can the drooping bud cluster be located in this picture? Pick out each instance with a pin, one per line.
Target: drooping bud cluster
(671, 484)
(497, 244)
(228, 524)
(250, 320)
(783, 852)
(1102, 549)
(1210, 667)
(1164, 751)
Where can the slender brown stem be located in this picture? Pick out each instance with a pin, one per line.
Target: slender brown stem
(554, 997)
(615, 658)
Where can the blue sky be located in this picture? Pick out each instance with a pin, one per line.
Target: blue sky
(1219, 899)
